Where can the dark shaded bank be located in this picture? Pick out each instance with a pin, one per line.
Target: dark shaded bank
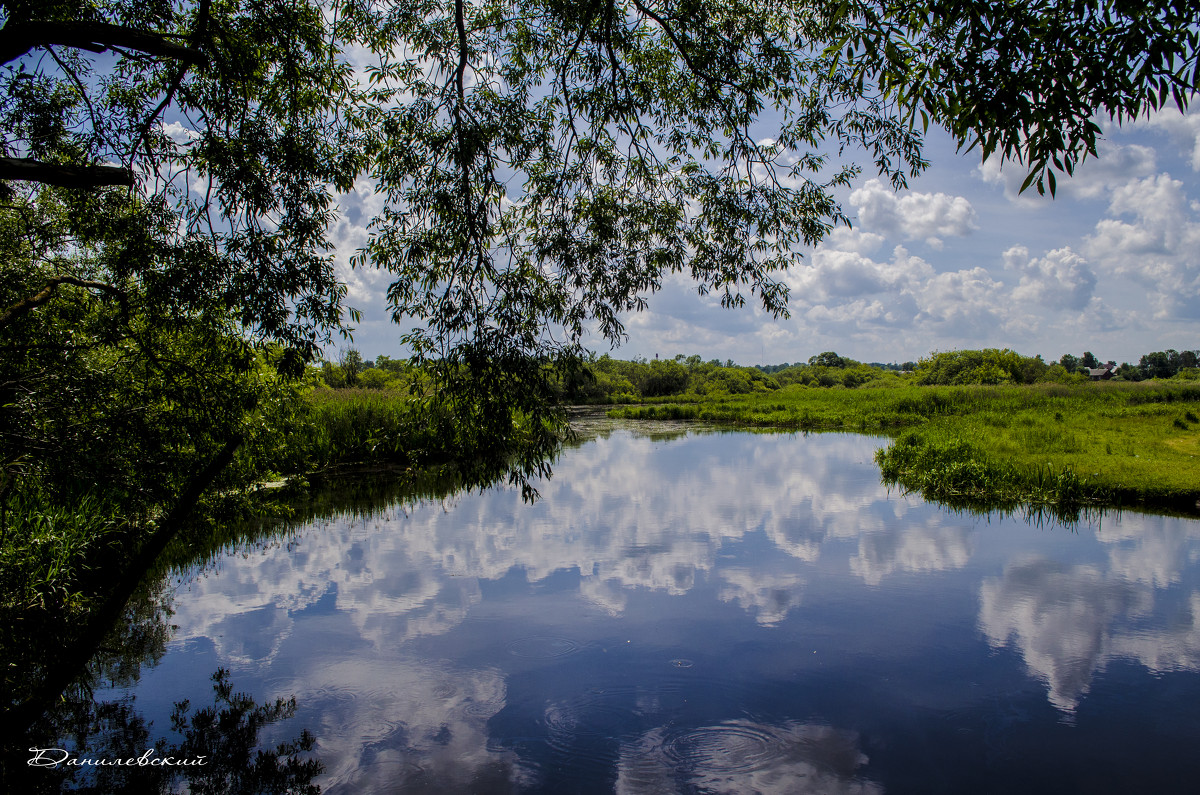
(58, 668)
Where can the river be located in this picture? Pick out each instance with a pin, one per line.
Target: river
(685, 611)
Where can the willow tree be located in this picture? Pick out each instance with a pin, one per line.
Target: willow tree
(166, 178)
(546, 165)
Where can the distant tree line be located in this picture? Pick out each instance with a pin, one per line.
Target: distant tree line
(603, 379)
(1167, 364)
(1159, 364)
(995, 366)
(350, 370)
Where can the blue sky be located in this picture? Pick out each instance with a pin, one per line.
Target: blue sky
(959, 260)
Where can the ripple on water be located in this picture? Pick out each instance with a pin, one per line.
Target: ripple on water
(333, 695)
(542, 647)
(482, 709)
(739, 756)
(732, 747)
(592, 715)
(445, 690)
(386, 772)
(581, 728)
(386, 732)
(607, 713)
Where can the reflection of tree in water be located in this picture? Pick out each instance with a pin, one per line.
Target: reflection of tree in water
(224, 736)
(34, 651)
(225, 733)
(44, 655)
(592, 422)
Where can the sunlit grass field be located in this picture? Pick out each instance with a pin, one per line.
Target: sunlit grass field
(1094, 443)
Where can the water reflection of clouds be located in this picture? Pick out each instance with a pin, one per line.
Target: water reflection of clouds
(929, 547)
(1150, 549)
(1059, 617)
(1070, 621)
(614, 513)
(370, 575)
(769, 596)
(617, 514)
(392, 724)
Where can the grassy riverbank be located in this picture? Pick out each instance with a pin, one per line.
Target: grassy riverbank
(1047, 444)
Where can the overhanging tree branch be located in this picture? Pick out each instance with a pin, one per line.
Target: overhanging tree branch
(19, 38)
(64, 176)
(27, 305)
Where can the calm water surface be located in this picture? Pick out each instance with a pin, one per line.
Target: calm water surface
(710, 612)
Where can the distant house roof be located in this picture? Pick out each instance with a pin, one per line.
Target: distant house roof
(1097, 373)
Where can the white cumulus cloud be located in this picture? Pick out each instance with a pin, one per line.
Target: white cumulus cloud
(1184, 129)
(1061, 278)
(916, 216)
(836, 274)
(1159, 248)
(966, 304)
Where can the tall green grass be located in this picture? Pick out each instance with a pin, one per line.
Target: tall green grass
(812, 408)
(960, 474)
(57, 558)
(360, 426)
(364, 427)
(51, 554)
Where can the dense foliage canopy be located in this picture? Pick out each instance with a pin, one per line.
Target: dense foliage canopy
(1029, 81)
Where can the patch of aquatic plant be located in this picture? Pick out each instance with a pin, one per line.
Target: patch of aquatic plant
(360, 426)
(959, 473)
(57, 561)
(811, 408)
(356, 428)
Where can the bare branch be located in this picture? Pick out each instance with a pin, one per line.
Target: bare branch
(21, 37)
(64, 176)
